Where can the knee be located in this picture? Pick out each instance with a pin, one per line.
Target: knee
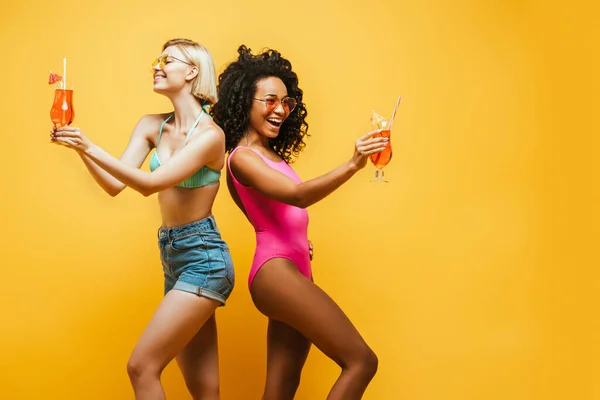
(138, 370)
(291, 383)
(282, 383)
(370, 363)
(364, 363)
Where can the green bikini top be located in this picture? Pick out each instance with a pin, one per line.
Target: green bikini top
(203, 177)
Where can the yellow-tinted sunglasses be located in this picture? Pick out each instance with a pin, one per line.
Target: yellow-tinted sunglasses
(165, 59)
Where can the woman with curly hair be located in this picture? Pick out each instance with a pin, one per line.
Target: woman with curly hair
(261, 111)
(185, 167)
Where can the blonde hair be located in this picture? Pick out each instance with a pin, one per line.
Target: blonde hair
(204, 85)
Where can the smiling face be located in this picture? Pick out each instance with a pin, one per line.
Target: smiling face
(262, 120)
(173, 71)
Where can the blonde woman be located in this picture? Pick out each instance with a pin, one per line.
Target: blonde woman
(185, 168)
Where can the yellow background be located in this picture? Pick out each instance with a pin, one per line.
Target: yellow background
(471, 274)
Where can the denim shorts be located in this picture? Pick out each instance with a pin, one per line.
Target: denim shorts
(195, 259)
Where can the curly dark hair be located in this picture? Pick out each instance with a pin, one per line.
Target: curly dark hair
(236, 88)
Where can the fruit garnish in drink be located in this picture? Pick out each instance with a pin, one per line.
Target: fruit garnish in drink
(54, 78)
(378, 121)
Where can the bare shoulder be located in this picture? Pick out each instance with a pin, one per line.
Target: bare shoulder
(245, 165)
(153, 119)
(209, 132)
(244, 158)
(149, 124)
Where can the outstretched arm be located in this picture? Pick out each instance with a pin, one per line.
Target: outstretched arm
(197, 153)
(251, 170)
(134, 155)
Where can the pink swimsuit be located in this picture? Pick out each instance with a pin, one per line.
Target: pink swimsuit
(281, 229)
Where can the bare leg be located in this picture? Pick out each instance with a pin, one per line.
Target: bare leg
(177, 320)
(287, 350)
(281, 293)
(199, 363)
